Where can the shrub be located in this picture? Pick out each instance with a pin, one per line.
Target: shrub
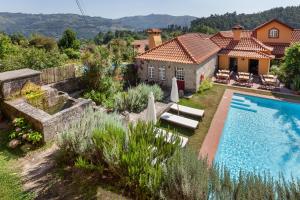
(78, 139)
(136, 98)
(33, 58)
(134, 156)
(290, 67)
(205, 85)
(72, 54)
(24, 133)
(186, 177)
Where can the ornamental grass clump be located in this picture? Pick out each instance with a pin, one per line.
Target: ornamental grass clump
(186, 177)
(136, 99)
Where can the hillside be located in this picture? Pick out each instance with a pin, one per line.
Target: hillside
(289, 15)
(86, 27)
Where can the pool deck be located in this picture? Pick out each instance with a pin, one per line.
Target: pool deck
(212, 139)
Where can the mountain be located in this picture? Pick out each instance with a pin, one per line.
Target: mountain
(86, 27)
(289, 15)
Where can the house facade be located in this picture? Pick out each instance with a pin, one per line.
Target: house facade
(193, 55)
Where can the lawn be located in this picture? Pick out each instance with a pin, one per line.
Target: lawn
(209, 101)
(11, 186)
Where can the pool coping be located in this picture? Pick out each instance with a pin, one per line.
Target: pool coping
(213, 136)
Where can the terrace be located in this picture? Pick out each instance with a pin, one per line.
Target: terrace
(247, 80)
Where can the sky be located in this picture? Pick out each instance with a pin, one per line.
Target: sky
(121, 8)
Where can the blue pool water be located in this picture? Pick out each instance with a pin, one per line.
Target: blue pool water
(261, 135)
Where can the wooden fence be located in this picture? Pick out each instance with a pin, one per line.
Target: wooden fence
(56, 74)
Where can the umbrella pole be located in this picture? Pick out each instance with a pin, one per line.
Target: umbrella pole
(178, 108)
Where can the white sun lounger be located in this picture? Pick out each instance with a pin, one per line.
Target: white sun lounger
(188, 110)
(183, 140)
(182, 121)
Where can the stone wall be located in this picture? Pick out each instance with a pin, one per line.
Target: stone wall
(208, 68)
(192, 72)
(48, 124)
(12, 82)
(70, 85)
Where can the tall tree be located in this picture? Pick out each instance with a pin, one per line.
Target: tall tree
(69, 40)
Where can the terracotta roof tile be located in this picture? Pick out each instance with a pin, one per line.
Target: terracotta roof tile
(296, 36)
(246, 54)
(140, 45)
(190, 48)
(245, 43)
(229, 34)
(278, 48)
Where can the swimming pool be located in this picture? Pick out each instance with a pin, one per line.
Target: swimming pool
(261, 135)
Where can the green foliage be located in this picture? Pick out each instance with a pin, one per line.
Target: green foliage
(34, 137)
(290, 68)
(226, 21)
(136, 99)
(19, 39)
(186, 177)
(72, 54)
(33, 58)
(5, 45)
(295, 85)
(204, 29)
(23, 132)
(69, 40)
(82, 163)
(130, 75)
(43, 42)
(205, 85)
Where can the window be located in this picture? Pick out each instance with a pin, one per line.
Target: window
(162, 73)
(150, 72)
(274, 33)
(179, 74)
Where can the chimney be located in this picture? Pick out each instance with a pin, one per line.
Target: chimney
(154, 38)
(237, 31)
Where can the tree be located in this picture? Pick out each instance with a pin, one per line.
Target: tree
(40, 41)
(291, 66)
(19, 39)
(6, 46)
(69, 40)
(108, 37)
(96, 60)
(99, 38)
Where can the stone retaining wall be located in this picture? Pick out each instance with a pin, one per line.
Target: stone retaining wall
(48, 124)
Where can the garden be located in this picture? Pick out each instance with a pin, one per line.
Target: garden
(131, 159)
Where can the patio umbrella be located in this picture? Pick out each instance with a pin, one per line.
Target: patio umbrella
(174, 93)
(151, 111)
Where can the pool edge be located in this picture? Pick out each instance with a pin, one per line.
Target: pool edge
(211, 142)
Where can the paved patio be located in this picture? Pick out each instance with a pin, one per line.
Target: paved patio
(160, 108)
(257, 85)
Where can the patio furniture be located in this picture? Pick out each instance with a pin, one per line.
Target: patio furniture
(188, 110)
(223, 77)
(182, 121)
(268, 83)
(183, 140)
(223, 71)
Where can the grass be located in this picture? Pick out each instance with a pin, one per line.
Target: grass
(11, 186)
(209, 101)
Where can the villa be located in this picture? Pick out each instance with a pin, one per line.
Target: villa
(190, 56)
